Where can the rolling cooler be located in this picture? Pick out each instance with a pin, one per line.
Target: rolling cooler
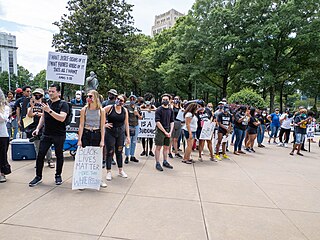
(22, 149)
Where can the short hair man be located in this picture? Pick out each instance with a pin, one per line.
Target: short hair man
(53, 120)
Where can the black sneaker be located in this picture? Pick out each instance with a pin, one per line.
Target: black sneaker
(151, 154)
(35, 181)
(158, 167)
(247, 149)
(104, 164)
(167, 165)
(58, 180)
(170, 155)
(113, 162)
(252, 150)
(178, 155)
(133, 159)
(143, 153)
(126, 161)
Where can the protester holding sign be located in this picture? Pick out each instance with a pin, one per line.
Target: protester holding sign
(55, 114)
(224, 128)
(190, 129)
(252, 130)
(165, 123)
(117, 125)
(91, 127)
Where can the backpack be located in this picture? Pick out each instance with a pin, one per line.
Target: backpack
(69, 116)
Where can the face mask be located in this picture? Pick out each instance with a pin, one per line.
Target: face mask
(263, 114)
(118, 103)
(176, 101)
(226, 110)
(303, 115)
(210, 108)
(78, 97)
(111, 97)
(37, 97)
(132, 102)
(165, 103)
(47, 96)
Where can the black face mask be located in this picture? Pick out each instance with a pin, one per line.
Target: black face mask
(111, 97)
(37, 97)
(165, 103)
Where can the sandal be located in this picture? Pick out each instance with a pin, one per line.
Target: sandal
(187, 161)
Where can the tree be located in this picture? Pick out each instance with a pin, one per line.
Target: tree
(100, 29)
(248, 97)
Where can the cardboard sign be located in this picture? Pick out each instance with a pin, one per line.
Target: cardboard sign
(147, 126)
(66, 67)
(75, 121)
(207, 130)
(180, 116)
(310, 131)
(87, 171)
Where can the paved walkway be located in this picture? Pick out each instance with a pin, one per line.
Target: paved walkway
(266, 195)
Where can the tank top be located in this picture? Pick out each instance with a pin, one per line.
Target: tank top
(117, 119)
(92, 118)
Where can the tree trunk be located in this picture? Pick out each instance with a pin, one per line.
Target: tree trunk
(190, 90)
(264, 93)
(224, 86)
(281, 96)
(272, 95)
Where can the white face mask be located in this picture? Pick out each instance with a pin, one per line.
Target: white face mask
(78, 97)
(263, 114)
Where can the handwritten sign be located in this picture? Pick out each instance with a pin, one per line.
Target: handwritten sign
(147, 126)
(66, 67)
(310, 131)
(207, 130)
(87, 169)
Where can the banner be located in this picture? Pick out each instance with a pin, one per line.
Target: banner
(310, 131)
(207, 130)
(147, 126)
(75, 121)
(87, 171)
(66, 67)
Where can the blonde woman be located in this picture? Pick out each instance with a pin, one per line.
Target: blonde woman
(4, 138)
(91, 127)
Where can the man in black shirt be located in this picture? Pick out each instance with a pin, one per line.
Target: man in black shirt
(164, 118)
(224, 128)
(21, 106)
(55, 113)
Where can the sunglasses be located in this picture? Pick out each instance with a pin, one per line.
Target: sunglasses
(89, 96)
(120, 100)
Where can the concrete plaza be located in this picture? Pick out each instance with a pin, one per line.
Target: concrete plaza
(265, 195)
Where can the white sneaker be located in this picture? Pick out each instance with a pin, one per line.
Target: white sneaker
(285, 145)
(123, 174)
(3, 178)
(280, 144)
(109, 176)
(103, 184)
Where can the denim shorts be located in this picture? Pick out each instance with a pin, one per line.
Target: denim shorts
(300, 138)
(186, 134)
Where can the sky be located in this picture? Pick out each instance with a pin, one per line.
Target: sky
(31, 22)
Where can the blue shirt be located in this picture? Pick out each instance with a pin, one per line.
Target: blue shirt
(275, 120)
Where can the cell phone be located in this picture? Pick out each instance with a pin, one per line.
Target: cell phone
(43, 100)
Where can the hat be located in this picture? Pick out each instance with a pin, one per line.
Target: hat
(134, 96)
(277, 109)
(113, 92)
(19, 90)
(221, 103)
(38, 90)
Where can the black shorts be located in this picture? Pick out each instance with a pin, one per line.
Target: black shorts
(252, 130)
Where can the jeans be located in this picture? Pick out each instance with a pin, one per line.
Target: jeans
(45, 144)
(240, 134)
(12, 125)
(274, 131)
(114, 141)
(91, 138)
(261, 131)
(133, 142)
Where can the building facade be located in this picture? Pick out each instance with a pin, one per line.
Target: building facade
(8, 53)
(165, 21)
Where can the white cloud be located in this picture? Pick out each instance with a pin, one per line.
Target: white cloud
(33, 24)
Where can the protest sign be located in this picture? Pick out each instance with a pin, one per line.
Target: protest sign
(75, 121)
(147, 126)
(87, 169)
(310, 131)
(207, 130)
(66, 67)
(180, 116)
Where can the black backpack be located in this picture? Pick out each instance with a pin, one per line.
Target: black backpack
(69, 116)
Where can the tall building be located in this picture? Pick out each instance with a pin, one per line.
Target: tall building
(165, 21)
(8, 53)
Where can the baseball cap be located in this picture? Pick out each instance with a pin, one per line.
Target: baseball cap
(38, 90)
(19, 90)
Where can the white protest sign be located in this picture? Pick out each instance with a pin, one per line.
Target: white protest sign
(66, 67)
(87, 171)
(310, 131)
(207, 130)
(180, 116)
(147, 126)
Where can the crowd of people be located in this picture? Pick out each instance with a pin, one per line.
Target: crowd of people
(113, 124)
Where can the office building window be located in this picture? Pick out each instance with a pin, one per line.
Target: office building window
(11, 62)
(10, 42)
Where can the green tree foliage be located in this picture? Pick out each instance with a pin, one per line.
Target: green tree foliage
(101, 29)
(248, 97)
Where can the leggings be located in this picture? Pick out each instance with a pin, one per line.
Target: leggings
(287, 133)
(4, 145)
(143, 140)
(114, 140)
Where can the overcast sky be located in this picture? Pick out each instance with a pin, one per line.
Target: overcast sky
(31, 22)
